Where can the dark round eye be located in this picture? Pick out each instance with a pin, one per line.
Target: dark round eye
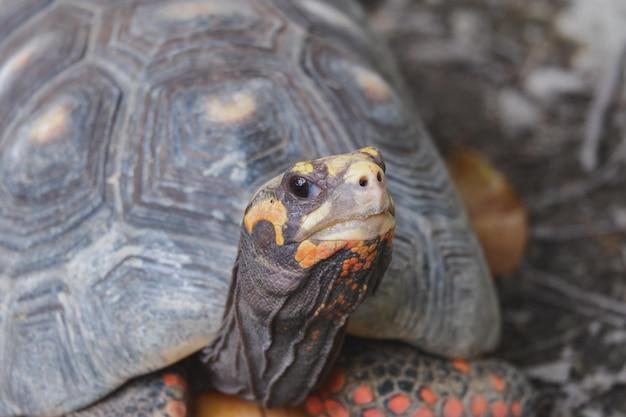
(300, 186)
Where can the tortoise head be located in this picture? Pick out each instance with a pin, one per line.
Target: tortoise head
(315, 242)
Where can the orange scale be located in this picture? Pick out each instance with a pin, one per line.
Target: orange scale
(453, 407)
(461, 366)
(176, 408)
(174, 379)
(313, 405)
(516, 409)
(497, 382)
(423, 412)
(478, 406)
(373, 412)
(428, 396)
(399, 404)
(498, 409)
(335, 409)
(362, 395)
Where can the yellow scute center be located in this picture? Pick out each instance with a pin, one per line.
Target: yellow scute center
(50, 125)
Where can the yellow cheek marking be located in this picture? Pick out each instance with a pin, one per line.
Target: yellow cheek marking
(309, 254)
(51, 125)
(303, 168)
(370, 151)
(236, 109)
(314, 217)
(272, 211)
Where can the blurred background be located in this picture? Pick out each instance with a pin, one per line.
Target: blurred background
(525, 98)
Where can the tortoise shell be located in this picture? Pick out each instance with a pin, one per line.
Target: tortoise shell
(133, 133)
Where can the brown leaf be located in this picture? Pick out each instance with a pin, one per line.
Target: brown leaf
(494, 208)
(215, 404)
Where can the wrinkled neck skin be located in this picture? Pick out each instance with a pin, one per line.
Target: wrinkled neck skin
(284, 325)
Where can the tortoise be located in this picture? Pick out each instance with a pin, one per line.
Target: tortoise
(136, 136)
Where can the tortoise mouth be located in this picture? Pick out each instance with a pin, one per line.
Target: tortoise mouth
(370, 227)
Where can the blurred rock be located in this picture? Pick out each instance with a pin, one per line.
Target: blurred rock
(517, 112)
(547, 84)
(599, 28)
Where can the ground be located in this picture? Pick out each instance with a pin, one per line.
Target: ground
(536, 86)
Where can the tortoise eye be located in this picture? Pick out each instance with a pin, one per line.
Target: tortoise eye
(302, 187)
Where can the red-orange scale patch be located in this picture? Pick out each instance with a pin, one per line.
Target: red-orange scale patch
(461, 366)
(174, 379)
(176, 408)
(373, 412)
(336, 381)
(398, 404)
(335, 409)
(497, 382)
(362, 395)
(453, 408)
(498, 409)
(516, 409)
(309, 253)
(313, 405)
(423, 412)
(478, 406)
(428, 396)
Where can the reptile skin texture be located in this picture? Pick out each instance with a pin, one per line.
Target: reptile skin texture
(379, 379)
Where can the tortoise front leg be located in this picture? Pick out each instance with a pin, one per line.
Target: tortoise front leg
(378, 379)
(162, 394)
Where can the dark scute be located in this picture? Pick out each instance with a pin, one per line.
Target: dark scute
(385, 387)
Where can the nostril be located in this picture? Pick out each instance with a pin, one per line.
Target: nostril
(363, 181)
(379, 177)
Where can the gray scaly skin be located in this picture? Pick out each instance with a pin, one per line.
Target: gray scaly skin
(132, 137)
(295, 283)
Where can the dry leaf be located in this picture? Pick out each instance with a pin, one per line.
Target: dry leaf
(495, 211)
(215, 404)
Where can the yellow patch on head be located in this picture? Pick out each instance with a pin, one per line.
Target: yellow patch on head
(372, 85)
(337, 164)
(304, 168)
(270, 210)
(359, 169)
(370, 151)
(235, 109)
(50, 125)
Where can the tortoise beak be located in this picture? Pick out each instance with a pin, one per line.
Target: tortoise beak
(359, 208)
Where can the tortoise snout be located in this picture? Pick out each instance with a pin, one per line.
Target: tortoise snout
(374, 178)
(367, 180)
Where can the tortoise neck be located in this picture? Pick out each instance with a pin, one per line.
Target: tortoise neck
(274, 347)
